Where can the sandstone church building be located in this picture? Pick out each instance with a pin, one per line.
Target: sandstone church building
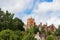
(31, 23)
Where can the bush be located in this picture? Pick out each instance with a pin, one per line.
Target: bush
(51, 37)
(8, 35)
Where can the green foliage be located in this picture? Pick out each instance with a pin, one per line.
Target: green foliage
(29, 35)
(36, 29)
(20, 34)
(30, 30)
(18, 24)
(8, 35)
(51, 37)
(1, 19)
(49, 32)
(7, 18)
(8, 22)
(57, 33)
(43, 30)
(11, 35)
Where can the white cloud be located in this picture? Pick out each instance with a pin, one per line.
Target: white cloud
(15, 5)
(46, 6)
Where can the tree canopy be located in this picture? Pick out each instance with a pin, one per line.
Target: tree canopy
(7, 21)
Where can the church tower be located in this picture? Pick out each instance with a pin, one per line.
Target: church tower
(30, 22)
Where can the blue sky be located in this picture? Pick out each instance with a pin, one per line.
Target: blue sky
(45, 11)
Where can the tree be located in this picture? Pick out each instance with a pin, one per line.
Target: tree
(43, 30)
(17, 24)
(1, 19)
(8, 22)
(51, 37)
(8, 35)
(20, 34)
(36, 29)
(57, 33)
(7, 19)
(29, 35)
(49, 32)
